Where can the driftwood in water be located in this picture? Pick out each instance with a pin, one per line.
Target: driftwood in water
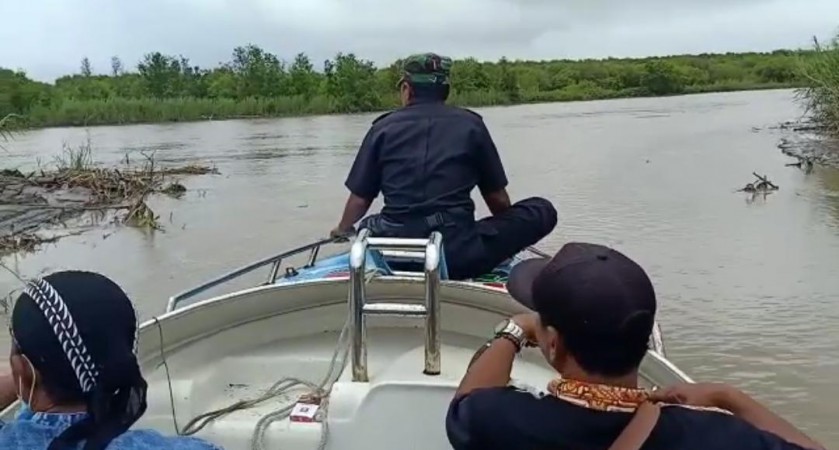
(762, 184)
(44, 199)
(804, 162)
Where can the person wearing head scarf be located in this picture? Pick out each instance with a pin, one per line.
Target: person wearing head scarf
(74, 368)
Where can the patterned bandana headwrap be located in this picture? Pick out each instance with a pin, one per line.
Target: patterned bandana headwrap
(79, 330)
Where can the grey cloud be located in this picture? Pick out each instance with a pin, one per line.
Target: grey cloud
(52, 36)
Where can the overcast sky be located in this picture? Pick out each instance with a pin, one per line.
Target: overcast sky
(48, 38)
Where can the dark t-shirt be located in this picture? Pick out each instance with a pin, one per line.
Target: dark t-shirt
(511, 419)
(426, 158)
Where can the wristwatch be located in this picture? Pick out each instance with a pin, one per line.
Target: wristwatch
(511, 331)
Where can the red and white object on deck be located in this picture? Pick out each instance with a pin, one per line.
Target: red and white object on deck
(305, 410)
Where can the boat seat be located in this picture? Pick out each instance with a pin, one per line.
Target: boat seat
(400, 398)
(412, 406)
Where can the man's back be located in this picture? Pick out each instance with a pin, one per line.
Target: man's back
(429, 157)
(505, 418)
(426, 158)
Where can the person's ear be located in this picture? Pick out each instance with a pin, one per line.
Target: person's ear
(556, 346)
(21, 372)
(405, 92)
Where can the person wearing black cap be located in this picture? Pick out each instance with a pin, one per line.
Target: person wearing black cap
(594, 313)
(74, 368)
(426, 158)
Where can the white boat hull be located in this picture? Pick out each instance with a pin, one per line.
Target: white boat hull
(223, 350)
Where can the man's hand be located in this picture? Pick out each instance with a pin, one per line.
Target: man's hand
(341, 233)
(707, 395)
(529, 323)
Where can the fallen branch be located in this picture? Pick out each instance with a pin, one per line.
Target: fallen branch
(764, 182)
(761, 185)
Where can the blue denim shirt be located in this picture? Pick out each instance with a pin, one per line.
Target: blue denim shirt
(35, 431)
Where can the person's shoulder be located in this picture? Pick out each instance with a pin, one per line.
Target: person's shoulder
(466, 113)
(493, 402)
(487, 415)
(715, 429)
(144, 438)
(382, 117)
(515, 392)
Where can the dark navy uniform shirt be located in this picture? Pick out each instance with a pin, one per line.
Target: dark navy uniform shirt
(426, 158)
(511, 419)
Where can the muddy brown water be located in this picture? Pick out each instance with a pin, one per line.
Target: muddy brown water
(748, 287)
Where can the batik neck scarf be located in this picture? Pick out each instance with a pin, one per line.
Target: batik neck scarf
(79, 330)
(599, 397)
(602, 397)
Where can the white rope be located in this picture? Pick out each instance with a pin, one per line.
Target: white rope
(319, 392)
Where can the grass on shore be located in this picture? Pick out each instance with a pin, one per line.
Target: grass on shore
(821, 95)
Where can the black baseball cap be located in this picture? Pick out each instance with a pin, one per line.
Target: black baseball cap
(587, 290)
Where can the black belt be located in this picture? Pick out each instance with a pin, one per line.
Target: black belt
(437, 220)
(419, 226)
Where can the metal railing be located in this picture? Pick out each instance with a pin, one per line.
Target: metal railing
(276, 261)
(360, 309)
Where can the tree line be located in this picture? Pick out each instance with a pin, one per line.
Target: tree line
(257, 83)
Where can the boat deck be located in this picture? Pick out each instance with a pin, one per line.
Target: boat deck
(229, 366)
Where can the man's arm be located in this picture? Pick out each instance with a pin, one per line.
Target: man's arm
(497, 202)
(776, 433)
(363, 182)
(751, 411)
(491, 367)
(492, 363)
(492, 179)
(354, 209)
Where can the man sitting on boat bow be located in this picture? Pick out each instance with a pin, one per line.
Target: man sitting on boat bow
(426, 158)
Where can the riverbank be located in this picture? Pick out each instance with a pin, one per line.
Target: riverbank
(126, 111)
(256, 83)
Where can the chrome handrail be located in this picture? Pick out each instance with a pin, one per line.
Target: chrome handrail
(276, 260)
(359, 308)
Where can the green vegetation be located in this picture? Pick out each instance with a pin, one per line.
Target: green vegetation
(257, 83)
(821, 94)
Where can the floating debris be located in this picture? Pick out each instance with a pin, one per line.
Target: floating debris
(804, 162)
(762, 184)
(30, 202)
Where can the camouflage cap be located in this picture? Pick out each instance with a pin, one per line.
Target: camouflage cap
(427, 68)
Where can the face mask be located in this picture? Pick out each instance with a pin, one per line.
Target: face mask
(24, 412)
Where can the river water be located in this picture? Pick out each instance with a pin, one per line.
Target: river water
(747, 286)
